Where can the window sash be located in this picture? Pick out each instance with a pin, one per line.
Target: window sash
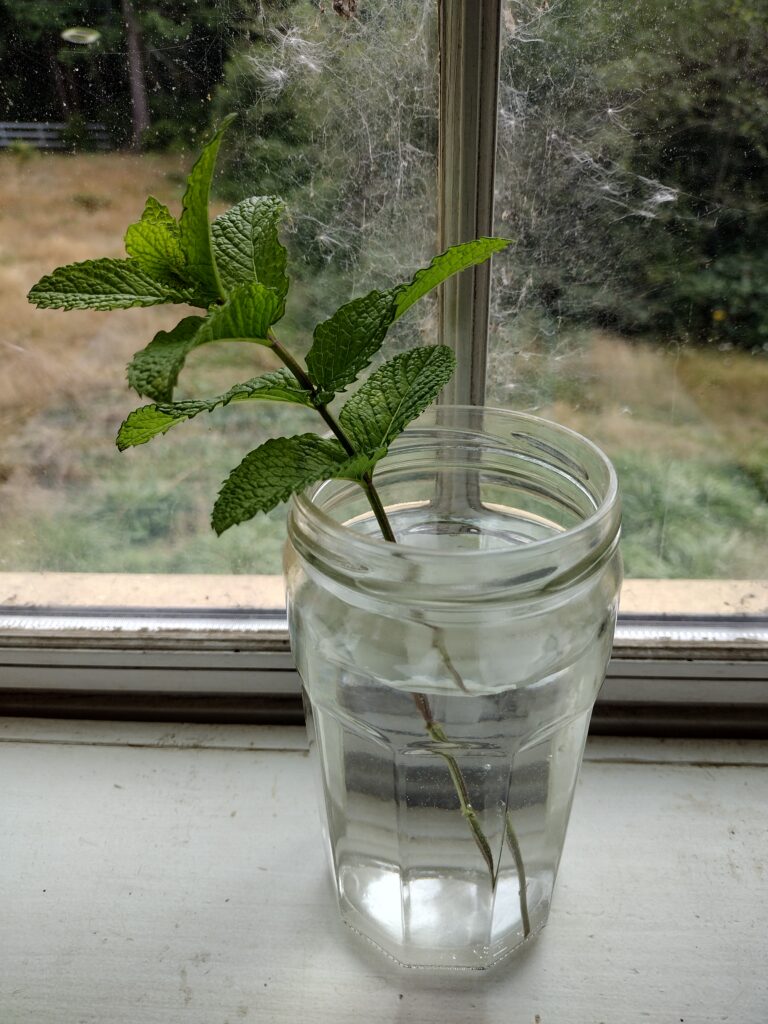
(684, 676)
(714, 668)
(470, 51)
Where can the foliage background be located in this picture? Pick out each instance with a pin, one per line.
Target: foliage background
(633, 175)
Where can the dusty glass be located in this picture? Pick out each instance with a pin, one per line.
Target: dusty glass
(103, 104)
(632, 174)
(449, 678)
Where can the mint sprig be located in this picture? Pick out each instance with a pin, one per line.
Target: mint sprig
(235, 269)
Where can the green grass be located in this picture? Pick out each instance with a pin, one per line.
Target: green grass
(94, 509)
(690, 519)
(686, 426)
(85, 507)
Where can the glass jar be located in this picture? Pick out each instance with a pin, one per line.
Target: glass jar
(449, 677)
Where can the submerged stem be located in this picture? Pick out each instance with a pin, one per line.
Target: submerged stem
(438, 733)
(434, 729)
(514, 845)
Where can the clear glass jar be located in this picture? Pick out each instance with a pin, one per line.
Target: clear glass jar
(449, 678)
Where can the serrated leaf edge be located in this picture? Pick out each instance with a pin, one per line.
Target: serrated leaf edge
(210, 405)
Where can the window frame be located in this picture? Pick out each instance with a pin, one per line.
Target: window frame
(688, 671)
(670, 674)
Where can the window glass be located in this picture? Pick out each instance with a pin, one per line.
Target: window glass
(103, 102)
(633, 177)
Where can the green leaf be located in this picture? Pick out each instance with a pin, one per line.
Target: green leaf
(103, 284)
(273, 472)
(345, 344)
(247, 247)
(154, 242)
(154, 371)
(247, 315)
(150, 420)
(450, 262)
(195, 227)
(394, 395)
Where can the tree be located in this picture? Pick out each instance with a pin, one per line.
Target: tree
(137, 83)
(634, 169)
(338, 114)
(149, 78)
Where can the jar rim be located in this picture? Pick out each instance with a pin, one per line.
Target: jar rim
(365, 555)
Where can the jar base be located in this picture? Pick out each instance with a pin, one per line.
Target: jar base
(446, 961)
(374, 904)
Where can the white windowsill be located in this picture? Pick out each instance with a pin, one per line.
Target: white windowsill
(134, 591)
(154, 874)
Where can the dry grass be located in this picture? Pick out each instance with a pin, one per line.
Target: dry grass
(731, 390)
(635, 396)
(687, 428)
(62, 209)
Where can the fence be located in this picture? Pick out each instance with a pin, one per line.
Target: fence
(51, 135)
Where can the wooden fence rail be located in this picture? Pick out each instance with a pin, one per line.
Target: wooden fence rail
(50, 135)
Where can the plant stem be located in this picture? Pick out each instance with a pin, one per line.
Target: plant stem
(421, 700)
(302, 377)
(438, 733)
(378, 508)
(439, 642)
(517, 853)
(367, 482)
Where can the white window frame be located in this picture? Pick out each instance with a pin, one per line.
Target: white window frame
(678, 667)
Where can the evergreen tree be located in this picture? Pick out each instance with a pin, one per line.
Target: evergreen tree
(149, 77)
(634, 168)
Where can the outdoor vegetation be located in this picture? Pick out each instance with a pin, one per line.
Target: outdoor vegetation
(633, 304)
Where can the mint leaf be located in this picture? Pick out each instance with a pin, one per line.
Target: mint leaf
(273, 472)
(103, 284)
(154, 242)
(450, 262)
(247, 247)
(155, 370)
(345, 344)
(150, 420)
(247, 315)
(394, 395)
(195, 228)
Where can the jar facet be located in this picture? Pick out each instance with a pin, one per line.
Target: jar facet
(449, 678)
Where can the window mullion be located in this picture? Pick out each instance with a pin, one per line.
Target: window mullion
(470, 46)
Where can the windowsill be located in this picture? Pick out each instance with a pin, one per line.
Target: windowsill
(176, 873)
(196, 592)
(87, 646)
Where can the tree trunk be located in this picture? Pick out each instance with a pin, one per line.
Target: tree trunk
(139, 104)
(61, 89)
